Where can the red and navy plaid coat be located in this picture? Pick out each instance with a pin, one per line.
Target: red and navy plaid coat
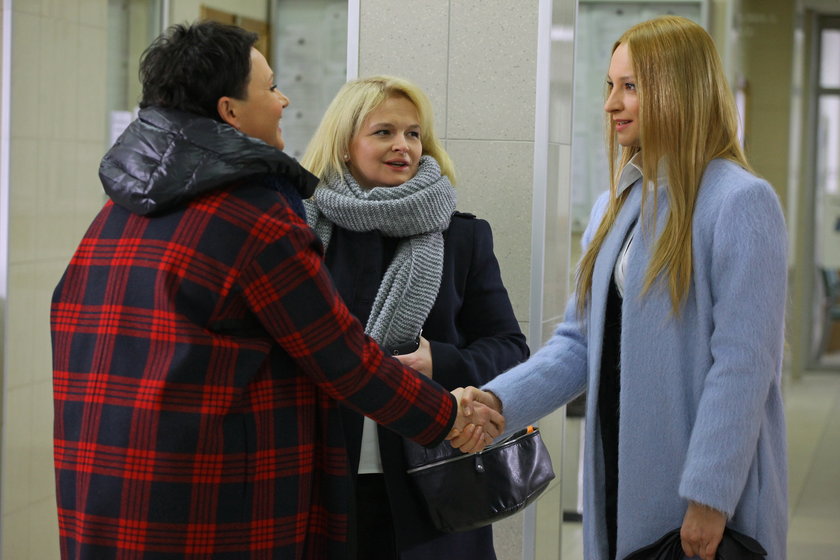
(199, 351)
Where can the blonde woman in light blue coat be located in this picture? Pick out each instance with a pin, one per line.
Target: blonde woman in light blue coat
(676, 328)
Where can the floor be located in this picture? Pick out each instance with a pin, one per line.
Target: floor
(813, 418)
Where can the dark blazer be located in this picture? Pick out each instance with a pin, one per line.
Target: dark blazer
(474, 336)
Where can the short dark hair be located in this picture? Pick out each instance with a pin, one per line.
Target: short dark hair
(189, 67)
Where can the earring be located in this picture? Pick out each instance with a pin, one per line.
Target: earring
(346, 157)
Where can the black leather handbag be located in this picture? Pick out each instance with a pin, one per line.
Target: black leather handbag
(464, 491)
(734, 546)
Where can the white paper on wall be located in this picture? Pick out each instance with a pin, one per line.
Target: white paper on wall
(118, 121)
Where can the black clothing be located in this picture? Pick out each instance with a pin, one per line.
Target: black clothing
(608, 409)
(474, 336)
(375, 528)
(198, 155)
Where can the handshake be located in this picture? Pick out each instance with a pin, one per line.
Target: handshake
(479, 420)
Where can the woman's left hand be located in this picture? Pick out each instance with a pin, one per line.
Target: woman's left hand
(702, 531)
(420, 359)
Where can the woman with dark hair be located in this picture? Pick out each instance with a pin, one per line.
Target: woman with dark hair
(676, 329)
(199, 346)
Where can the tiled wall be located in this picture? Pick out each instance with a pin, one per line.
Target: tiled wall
(57, 120)
(478, 62)
(767, 32)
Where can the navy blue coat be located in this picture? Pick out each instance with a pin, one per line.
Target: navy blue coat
(474, 336)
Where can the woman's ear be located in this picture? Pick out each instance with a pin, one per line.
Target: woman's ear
(228, 111)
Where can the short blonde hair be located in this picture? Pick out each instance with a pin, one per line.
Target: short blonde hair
(347, 112)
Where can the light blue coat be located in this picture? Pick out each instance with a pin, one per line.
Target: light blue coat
(701, 408)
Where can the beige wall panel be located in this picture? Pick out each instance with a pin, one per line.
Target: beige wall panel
(54, 219)
(767, 31)
(416, 49)
(30, 525)
(24, 171)
(21, 344)
(27, 110)
(59, 78)
(494, 182)
(43, 531)
(16, 524)
(63, 9)
(93, 13)
(492, 70)
(91, 85)
(41, 452)
(89, 196)
(51, 80)
(32, 7)
(36, 367)
(769, 138)
(57, 139)
(17, 469)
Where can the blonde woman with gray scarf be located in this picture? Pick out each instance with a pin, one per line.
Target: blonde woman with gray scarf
(424, 280)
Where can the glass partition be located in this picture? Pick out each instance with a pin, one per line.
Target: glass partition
(599, 24)
(310, 62)
(825, 323)
(303, 40)
(132, 25)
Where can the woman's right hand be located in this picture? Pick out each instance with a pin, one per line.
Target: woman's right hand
(702, 531)
(472, 402)
(476, 426)
(473, 394)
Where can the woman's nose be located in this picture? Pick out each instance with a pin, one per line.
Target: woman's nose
(612, 102)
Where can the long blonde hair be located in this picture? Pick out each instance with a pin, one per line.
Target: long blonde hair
(687, 117)
(347, 112)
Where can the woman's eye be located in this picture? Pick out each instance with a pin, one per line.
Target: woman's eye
(273, 87)
(630, 86)
(382, 132)
(414, 134)
(609, 85)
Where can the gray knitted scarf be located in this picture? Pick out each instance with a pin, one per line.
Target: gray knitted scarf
(418, 211)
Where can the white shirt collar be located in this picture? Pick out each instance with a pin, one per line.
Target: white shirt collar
(632, 172)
